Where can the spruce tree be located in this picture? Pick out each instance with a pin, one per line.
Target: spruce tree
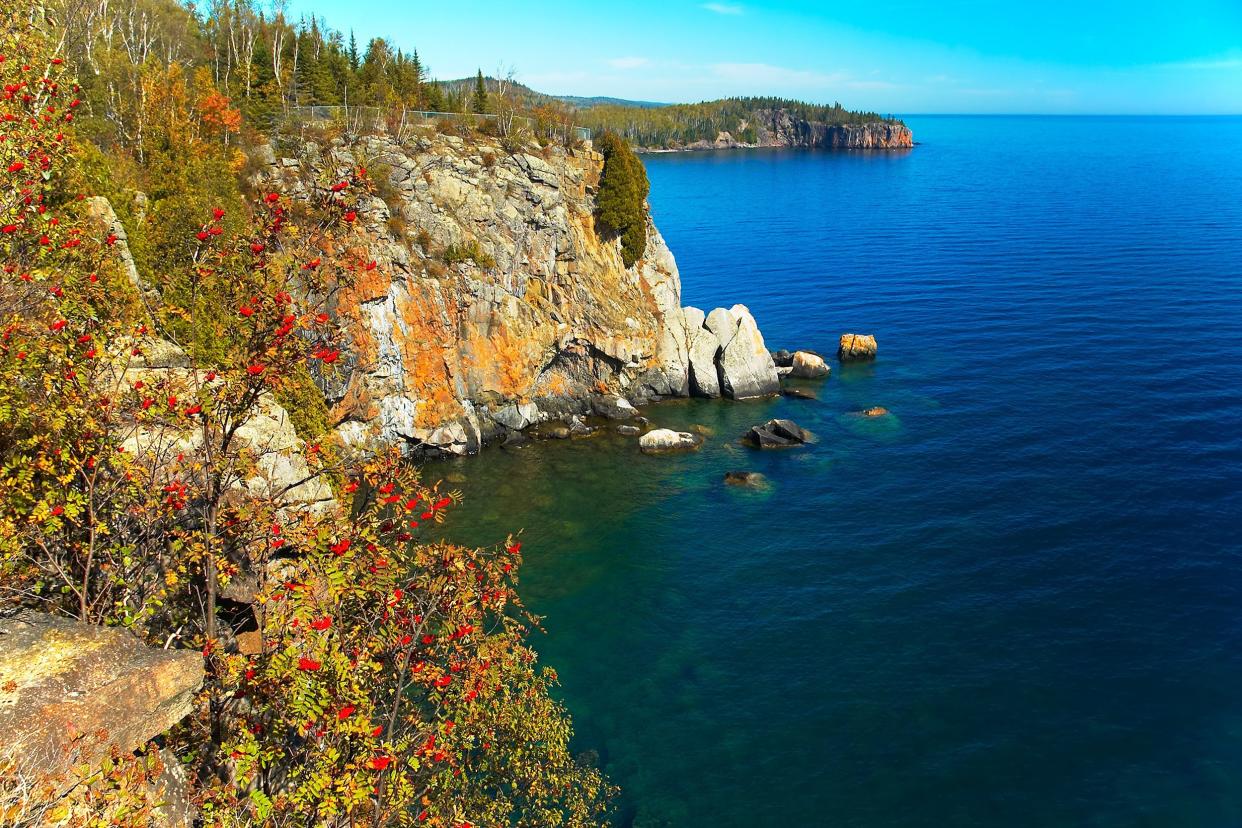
(353, 51)
(479, 103)
(623, 189)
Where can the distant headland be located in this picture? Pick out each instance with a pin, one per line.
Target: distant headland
(733, 123)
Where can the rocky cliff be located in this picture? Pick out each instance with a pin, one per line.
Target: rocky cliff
(779, 128)
(495, 304)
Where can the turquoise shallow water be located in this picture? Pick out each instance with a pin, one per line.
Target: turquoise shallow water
(1016, 600)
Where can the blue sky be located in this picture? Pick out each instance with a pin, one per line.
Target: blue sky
(896, 56)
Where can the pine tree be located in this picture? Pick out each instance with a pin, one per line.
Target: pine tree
(623, 192)
(353, 51)
(479, 102)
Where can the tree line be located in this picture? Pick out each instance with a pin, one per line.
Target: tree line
(680, 124)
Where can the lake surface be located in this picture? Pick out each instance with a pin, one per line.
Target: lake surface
(1015, 601)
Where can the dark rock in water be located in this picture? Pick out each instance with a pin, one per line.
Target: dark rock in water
(777, 434)
(750, 480)
(799, 394)
(856, 347)
(515, 440)
(789, 430)
(557, 431)
(613, 407)
(577, 428)
(782, 358)
(760, 437)
(642, 421)
(629, 430)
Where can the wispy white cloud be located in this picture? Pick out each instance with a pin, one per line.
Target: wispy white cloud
(1207, 63)
(723, 8)
(870, 84)
(629, 62)
(769, 75)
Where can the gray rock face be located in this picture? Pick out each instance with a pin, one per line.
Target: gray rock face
(61, 680)
(727, 355)
(807, 365)
(856, 347)
(99, 210)
(723, 324)
(704, 347)
(280, 470)
(746, 367)
(445, 353)
(662, 440)
(517, 416)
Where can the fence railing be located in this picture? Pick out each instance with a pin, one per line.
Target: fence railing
(376, 119)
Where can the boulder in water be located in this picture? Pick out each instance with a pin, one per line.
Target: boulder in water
(777, 434)
(613, 407)
(856, 347)
(808, 365)
(660, 440)
(782, 358)
(746, 367)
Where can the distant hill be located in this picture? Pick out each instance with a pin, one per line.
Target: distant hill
(727, 122)
(578, 102)
(531, 97)
(732, 122)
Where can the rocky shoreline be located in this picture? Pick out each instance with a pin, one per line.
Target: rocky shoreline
(493, 304)
(778, 128)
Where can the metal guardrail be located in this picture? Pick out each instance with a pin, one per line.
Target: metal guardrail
(374, 118)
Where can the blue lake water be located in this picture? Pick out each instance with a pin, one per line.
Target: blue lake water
(1015, 601)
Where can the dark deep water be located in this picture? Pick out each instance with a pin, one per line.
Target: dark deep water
(1018, 600)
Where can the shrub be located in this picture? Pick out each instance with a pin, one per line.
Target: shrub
(621, 201)
(468, 251)
(391, 682)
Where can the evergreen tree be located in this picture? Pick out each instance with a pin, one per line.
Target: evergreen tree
(353, 51)
(479, 102)
(623, 192)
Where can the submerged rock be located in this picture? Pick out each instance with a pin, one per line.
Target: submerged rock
(662, 440)
(516, 440)
(746, 479)
(874, 411)
(799, 394)
(629, 430)
(856, 347)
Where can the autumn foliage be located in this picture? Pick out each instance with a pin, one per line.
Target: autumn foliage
(372, 677)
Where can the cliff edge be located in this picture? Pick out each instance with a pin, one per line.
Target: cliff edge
(495, 304)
